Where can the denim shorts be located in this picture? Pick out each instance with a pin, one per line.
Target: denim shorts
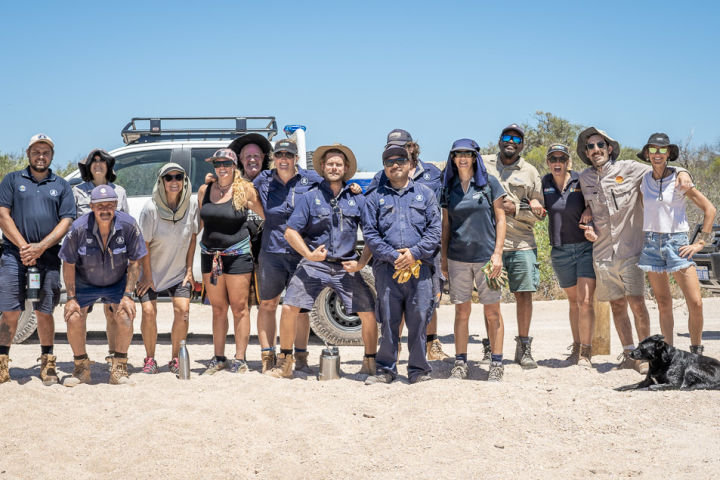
(13, 285)
(523, 270)
(660, 252)
(572, 261)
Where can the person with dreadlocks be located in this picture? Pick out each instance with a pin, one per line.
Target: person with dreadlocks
(226, 259)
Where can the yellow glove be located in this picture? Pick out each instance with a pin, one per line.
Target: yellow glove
(415, 269)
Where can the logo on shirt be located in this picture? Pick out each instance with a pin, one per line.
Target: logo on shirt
(426, 176)
(549, 190)
(351, 202)
(317, 201)
(54, 192)
(304, 181)
(619, 179)
(419, 197)
(120, 240)
(476, 195)
(21, 188)
(381, 201)
(89, 241)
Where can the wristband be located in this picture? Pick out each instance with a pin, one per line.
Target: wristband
(71, 298)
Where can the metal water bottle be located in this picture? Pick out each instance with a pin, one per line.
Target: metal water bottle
(183, 362)
(329, 364)
(33, 283)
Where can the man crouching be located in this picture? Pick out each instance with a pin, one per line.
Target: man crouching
(100, 262)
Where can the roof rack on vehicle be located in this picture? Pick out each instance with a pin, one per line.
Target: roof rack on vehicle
(154, 131)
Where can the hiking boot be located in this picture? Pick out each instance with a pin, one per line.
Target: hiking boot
(81, 373)
(486, 359)
(301, 363)
(150, 366)
(379, 378)
(523, 354)
(425, 377)
(118, 373)
(697, 349)
(4, 369)
(369, 367)
(628, 363)
(268, 360)
(215, 366)
(584, 357)
(174, 366)
(108, 359)
(574, 354)
(435, 351)
(239, 365)
(48, 374)
(459, 371)
(495, 374)
(284, 366)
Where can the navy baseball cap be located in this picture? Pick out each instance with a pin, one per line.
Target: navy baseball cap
(286, 146)
(399, 137)
(513, 127)
(558, 147)
(103, 193)
(394, 151)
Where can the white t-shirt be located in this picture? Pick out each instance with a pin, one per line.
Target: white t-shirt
(663, 212)
(168, 242)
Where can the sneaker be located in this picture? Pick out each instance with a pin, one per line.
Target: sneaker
(584, 357)
(301, 363)
(284, 366)
(628, 363)
(4, 369)
(150, 366)
(174, 366)
(574, 353)
(215, 366)
(48, 373)
(495, 374)
(81, 373)
(268, 360)
(119, 373)
(697, 349)
(523, 354)
(435, 351)
(459, 371)
(379, 378)
(369, 367)
(239, 366)
(486, 359)
(425, 377)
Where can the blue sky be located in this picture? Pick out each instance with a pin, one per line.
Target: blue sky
(352, 71)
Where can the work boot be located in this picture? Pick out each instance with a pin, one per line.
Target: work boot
(584, 357)
(379, 378)
(118, 372)
(697, 349)
(4, 369)
(459, 371)
(284, 366)
(627, 363)
(425, 377)
(523, 354)
(574, 353)
(495, 374)
(81, 373)
(48, 374)
(301, 363)
(268, 360)
(486, 359)
(369, 367)
(435, 351)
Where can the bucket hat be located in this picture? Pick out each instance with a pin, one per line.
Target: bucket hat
(320, 152)
(582, 142)
(255, 138)
(660, 140)
(84, 165)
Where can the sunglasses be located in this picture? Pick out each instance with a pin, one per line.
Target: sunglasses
(514, 138)
(557, 159)
(662, 150)
(223, 163)
(392, 161)
(178, 177)
(288, 155)
(464, 154)
(591, 146)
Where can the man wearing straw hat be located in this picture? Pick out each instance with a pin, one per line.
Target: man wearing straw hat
(323, 229)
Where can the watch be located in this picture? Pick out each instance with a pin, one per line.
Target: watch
(71, 298)
(128, 294)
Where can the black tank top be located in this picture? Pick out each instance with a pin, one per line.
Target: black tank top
(223, 225)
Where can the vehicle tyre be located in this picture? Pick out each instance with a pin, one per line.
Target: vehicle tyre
(331, 323)
(27, 324)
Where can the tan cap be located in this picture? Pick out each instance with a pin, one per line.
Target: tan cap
(41, 137)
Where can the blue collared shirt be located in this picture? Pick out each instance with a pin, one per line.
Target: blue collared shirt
(98, 266)
(407, 218)
(323, 219)
(278, 200)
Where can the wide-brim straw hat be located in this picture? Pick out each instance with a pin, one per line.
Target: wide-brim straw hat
(320, 152)
(582, 142)
(660, 140)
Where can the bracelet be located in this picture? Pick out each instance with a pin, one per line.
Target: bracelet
(705, 237)
(71, 298)
(128, 294)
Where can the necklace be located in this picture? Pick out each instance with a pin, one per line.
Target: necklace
(223, 190)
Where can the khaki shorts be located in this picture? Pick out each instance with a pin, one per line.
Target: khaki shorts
(619, 278)
(463, 276)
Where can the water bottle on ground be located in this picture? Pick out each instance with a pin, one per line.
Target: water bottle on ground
(183, 362)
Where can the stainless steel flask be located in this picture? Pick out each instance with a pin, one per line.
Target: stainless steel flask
(329, 364)
(183, 362)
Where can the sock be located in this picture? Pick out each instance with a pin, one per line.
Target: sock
(111, 352)
(221, 358)
(629, 347)
(120, 355)
(80, 357)
(524, 340)
(583, 345)
(269, 349)
(432, 338)
(370, 355)
(300, 350)
(496, 357)
(461, 356)
(46, 349)
(4, 349)
(286, 351)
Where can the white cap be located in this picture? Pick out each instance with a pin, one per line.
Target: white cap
(41, 137)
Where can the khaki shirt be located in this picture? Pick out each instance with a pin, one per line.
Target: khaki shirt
(520, 180)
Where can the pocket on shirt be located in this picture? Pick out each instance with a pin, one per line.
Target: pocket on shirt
(387, 217)
(417, 214)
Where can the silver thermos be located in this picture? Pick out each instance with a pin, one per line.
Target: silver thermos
(329, 364)
(183, 362)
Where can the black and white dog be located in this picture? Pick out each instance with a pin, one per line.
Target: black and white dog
(671, 368)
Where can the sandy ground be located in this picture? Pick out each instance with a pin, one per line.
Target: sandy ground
(553, 422)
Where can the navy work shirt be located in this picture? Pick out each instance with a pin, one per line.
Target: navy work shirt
(425, 173)
(564, 210)
(98, 266)
(36, 207)
(471, 219)
(406, 218)
(278, 200)
(323, 219)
